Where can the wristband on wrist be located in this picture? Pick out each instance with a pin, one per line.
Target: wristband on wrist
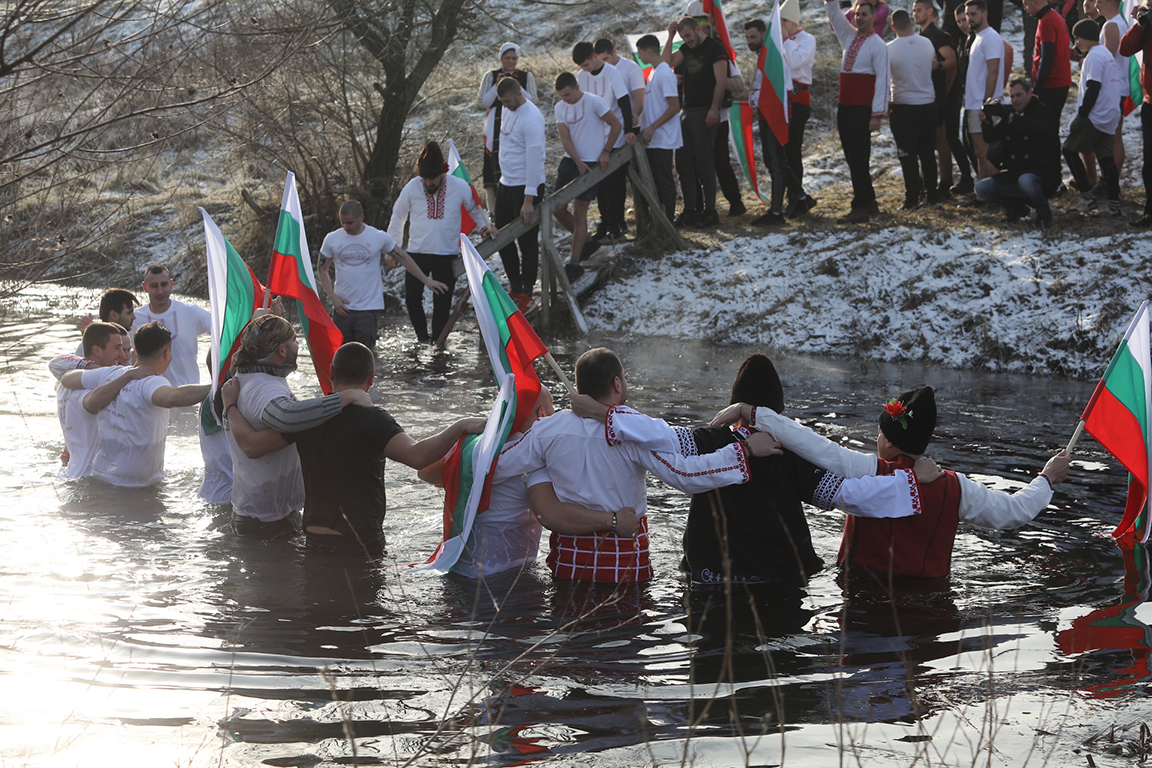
(1047, 480)
(230, 407)
(613, 522)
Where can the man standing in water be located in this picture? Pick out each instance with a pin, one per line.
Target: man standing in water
(133, 426)
(185, 321)
(343, 459)
(356, 250)
(919, 546)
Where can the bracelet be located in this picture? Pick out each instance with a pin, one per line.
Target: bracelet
(613, 522)
(230, 407)
(1047, 480)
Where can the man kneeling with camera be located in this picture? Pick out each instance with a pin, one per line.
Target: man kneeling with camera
(1024, 142)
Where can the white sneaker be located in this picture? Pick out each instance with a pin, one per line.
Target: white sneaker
(1084, 204)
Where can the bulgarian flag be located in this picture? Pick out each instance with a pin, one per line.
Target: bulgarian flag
(1119, 415)
(512, 346)
(456, 168)
(234, 294)
(740, 119)
(1135, 89)
(290, 275)
(775, 79)
(716, 13)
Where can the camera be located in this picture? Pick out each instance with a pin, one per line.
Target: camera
(1145, 17)
(845, 3)
(995, 109)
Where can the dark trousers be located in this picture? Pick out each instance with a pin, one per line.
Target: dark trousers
(694, 160)
(660, 160)
(437, 268)
(794, 151)
(914, 131)
(612, 198)
(358, 325)
(1146, 131)
(856, 141)
(953, 131)
(521, 268)
(722, 159)
(778, 168)
(1053, 98)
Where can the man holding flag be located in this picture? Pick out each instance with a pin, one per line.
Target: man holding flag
(433, 204)
(768, 97)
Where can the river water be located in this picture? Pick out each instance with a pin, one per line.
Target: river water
(135, 629)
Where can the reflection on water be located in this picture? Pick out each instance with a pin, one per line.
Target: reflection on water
(133, 624)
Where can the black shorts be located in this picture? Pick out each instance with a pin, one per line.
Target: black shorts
(568, 171)
(491, 169)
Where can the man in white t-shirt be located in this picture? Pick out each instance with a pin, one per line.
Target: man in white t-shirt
(185, 321)
(588, 130)
(629, 70)
(1097, 115)
(1110, 34)
(604, 80)
(433, 204)
(268, 489)
(985, 80)
(133, 426)
(356, 250)
(912, 115)
(660, 123)
(104, 344)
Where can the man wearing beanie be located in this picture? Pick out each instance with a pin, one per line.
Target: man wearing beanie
(432, 204)
(1097, 115)
(918, 546)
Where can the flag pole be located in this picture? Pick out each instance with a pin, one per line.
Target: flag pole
(556, 368)
(1075, 437)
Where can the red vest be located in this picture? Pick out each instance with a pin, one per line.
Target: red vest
(920, 545)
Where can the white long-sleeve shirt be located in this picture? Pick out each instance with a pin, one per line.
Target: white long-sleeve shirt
(522, 147)
(864, 66)
(800, 53)
(434, 220)
(979, 504)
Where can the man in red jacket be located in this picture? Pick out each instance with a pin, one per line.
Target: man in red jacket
(1135, 40)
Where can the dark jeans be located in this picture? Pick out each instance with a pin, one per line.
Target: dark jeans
(660, 160)
(437, 268)
(521, 268)
(694, 160)
(856, 141)
(778, 168)
(612, 198)
(953, 114)
(1053, 98)
(722, 159)
(331, 544)
(1146, 131)
(795, 148)
(914, 131)
(358, 325)
(1012, 194)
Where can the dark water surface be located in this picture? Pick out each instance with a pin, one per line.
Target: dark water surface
(136, 630)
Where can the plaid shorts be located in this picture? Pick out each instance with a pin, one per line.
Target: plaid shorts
(601, 557)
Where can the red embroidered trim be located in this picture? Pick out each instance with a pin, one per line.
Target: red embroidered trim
(742, 464)
(914, 491)
(610, 426)
(853, 50)
(436, 202)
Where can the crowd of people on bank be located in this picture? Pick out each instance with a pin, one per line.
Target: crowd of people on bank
(580, 473)
(964, 124)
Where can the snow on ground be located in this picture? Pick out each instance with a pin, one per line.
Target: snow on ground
(1011, 301)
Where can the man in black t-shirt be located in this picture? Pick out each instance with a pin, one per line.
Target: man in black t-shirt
(943, 78)
(343, 460)
(703, 62)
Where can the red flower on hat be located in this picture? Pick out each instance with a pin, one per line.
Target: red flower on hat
(896, 410)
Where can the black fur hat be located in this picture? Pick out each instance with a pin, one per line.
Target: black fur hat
(431, 163)
(757, 383)
(909, 420)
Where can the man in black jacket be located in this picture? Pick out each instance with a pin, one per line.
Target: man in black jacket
(1029, 155)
